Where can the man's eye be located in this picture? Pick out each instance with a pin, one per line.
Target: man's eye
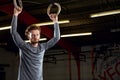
(36, 35)
(32, 35)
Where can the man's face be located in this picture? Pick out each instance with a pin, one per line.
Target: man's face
(34, 36)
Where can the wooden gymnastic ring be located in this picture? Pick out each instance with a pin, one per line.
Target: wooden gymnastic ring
(19, 2)
(49, 8)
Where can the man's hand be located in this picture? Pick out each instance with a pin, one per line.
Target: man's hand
(53, 17)
(17, 11)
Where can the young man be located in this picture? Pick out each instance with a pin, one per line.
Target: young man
(32, 53)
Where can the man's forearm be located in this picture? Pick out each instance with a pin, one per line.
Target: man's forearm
(56, 31)
(14, 25)
(16, 37)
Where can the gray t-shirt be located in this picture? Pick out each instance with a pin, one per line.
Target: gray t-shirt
(31, 58)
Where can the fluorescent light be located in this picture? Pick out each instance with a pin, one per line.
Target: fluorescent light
(105, 13)
(42, 39)
(77, 34)
(39, 24)
(4, 28)
(51, 23)
(115, 30)
(67, 35)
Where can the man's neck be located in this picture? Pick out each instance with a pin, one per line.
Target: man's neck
(34, 44)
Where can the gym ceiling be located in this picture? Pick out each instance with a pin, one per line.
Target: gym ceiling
(104, 29)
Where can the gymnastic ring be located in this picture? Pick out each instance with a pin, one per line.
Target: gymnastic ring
(19, 2)
(49, 8)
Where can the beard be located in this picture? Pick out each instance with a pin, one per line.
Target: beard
(35, 42)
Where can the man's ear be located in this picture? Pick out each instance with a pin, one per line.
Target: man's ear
(29, 35)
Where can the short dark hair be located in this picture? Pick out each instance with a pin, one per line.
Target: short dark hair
(31, 27)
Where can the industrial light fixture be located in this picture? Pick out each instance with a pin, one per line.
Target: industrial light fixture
(40, 24)
(5, 28)
(105, 13)
(67, 35)
(115, 30)
(76, 34)
(42, 39)
(51, 23)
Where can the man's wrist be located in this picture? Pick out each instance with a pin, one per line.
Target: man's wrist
(15, 14)
(55, 21)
